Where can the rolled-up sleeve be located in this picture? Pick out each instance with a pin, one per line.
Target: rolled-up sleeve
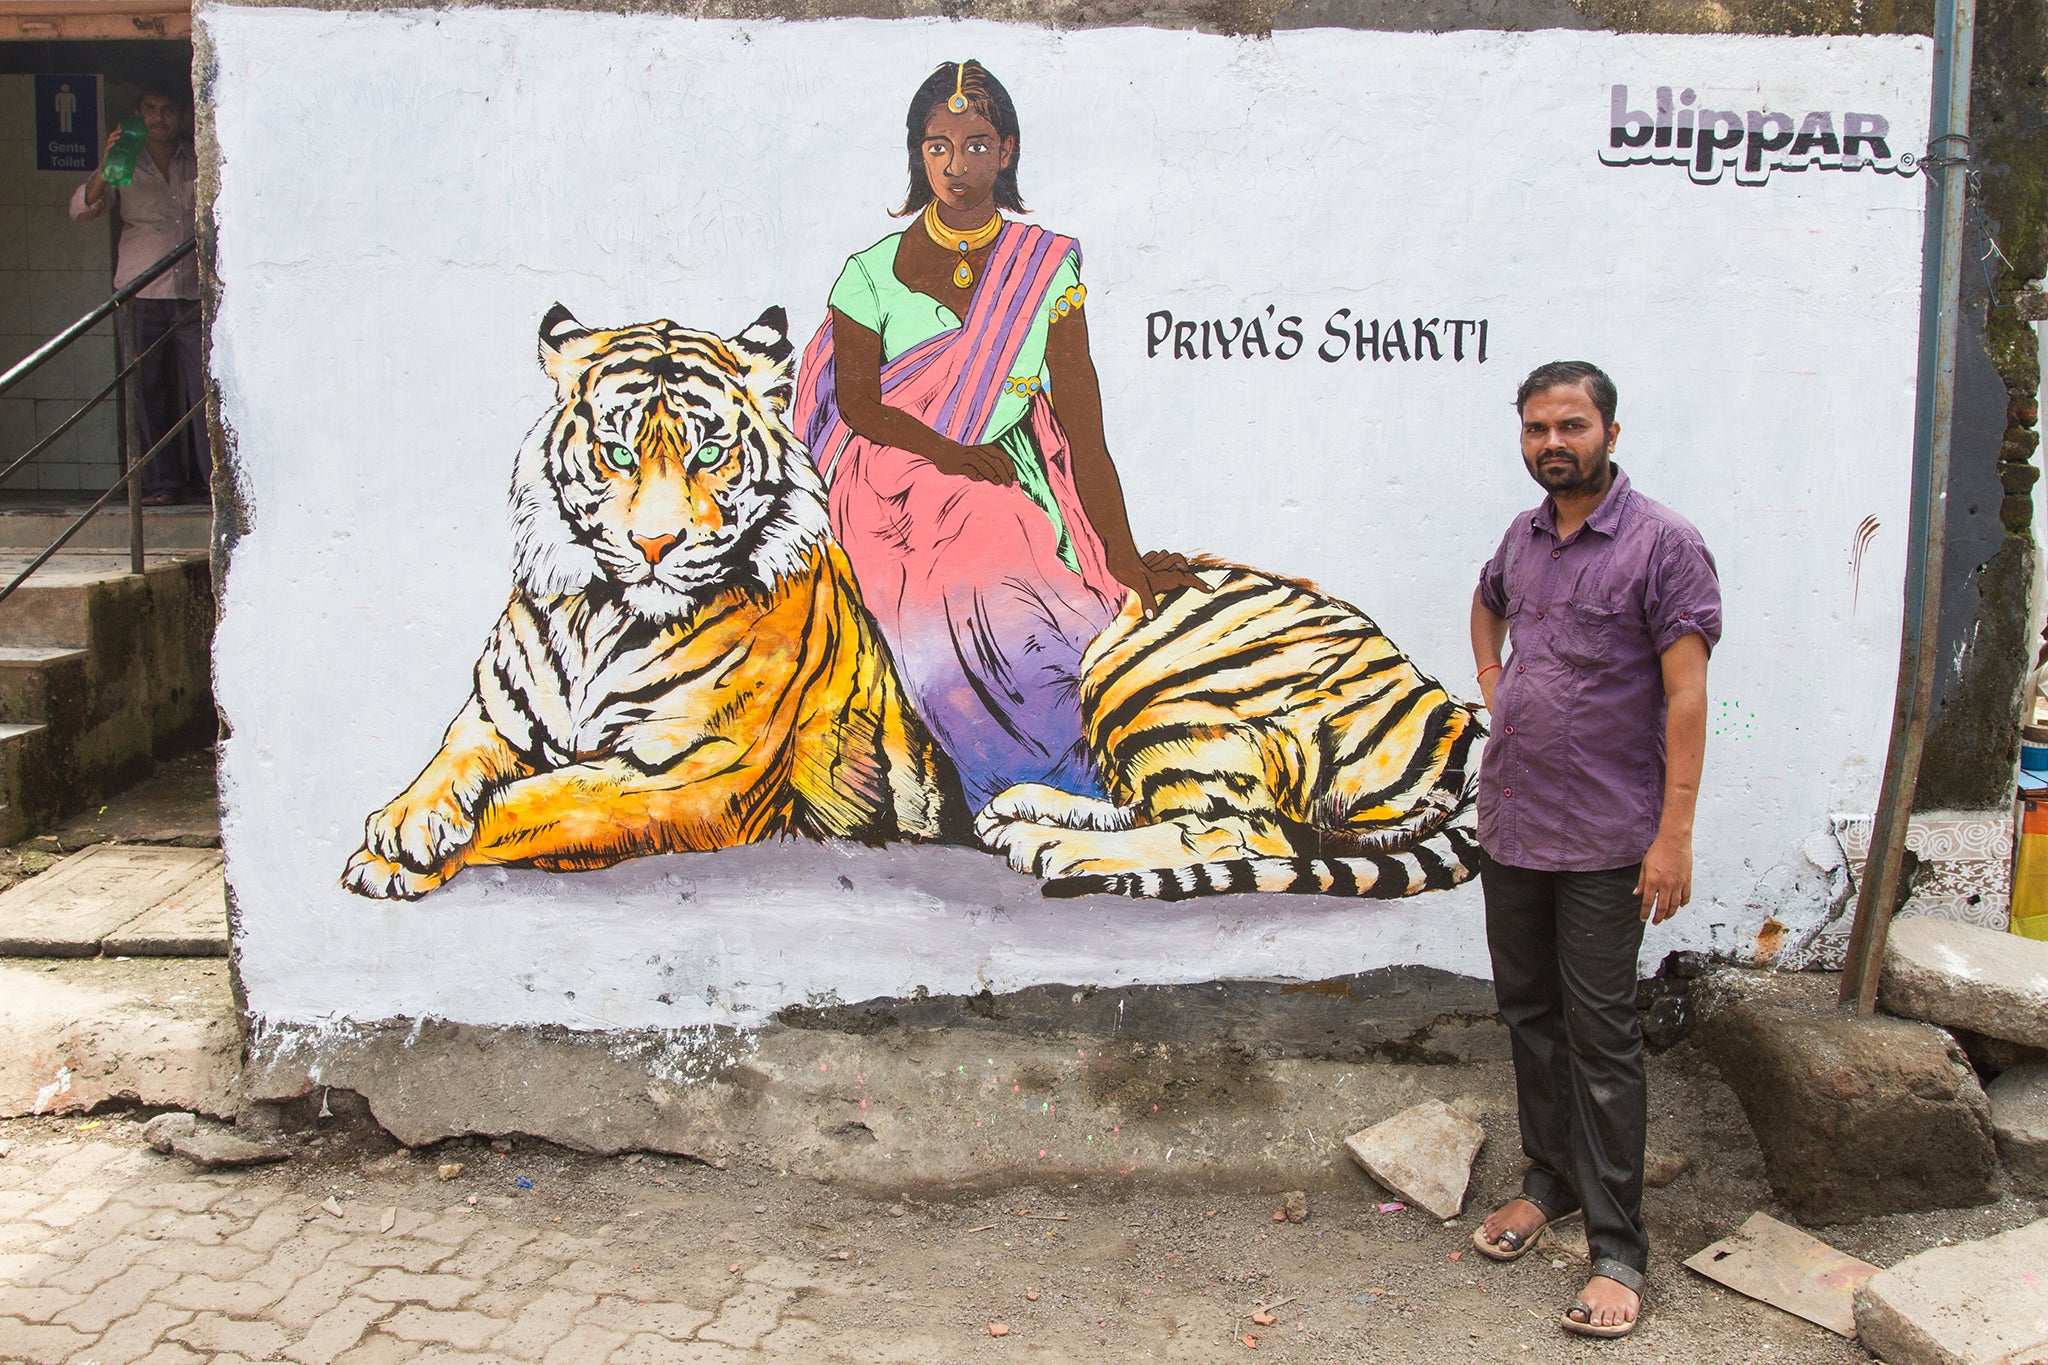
(1493, 593)
(1683, 594)
(83, 212)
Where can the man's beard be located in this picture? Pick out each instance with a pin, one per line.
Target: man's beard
(1557, 479)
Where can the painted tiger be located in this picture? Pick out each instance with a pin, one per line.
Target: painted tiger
(1261, 736)
(685, 663)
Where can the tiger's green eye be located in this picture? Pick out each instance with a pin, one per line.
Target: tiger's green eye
(708, 456)
(619, 458)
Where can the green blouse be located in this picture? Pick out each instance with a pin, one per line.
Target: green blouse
(869, 293)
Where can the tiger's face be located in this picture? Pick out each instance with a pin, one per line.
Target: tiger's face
(666, 469)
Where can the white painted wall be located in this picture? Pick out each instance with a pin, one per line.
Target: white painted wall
(404, 194)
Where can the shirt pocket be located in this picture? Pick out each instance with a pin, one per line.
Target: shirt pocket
(1588, 633)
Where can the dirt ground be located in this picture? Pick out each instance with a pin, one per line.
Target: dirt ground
(1123, 1269)
(1121, 1272)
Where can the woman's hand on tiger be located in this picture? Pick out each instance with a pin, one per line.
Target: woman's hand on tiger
(985, 464)
(1155, 575)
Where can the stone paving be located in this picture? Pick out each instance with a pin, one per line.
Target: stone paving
(111, 1255)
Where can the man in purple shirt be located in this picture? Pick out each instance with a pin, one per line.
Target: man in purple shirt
(1586, 796)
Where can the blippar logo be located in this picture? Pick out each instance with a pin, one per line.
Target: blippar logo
(1672, 127)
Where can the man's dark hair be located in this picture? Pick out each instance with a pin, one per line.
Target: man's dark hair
(164, 90)
(1571, 374)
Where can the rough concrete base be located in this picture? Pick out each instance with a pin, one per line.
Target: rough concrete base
(2019, 1123)
(961, 1106)
(1856, 1117)
(84, 1033)
(1965, 976)
(1981, 1303)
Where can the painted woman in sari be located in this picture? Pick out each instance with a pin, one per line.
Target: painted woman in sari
(951, 404)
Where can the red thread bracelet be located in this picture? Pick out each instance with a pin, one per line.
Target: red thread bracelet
(1486, 670)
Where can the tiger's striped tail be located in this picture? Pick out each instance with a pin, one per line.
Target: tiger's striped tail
(1442, 862)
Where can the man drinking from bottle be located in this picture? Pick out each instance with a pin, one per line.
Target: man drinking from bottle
(156, 214)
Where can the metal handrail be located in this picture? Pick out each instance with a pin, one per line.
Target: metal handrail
(30, 363)
(75, 418)
(119, 484)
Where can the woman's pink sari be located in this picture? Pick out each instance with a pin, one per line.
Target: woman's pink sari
(986, 621)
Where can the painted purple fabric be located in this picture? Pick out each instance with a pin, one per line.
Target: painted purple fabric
(1573, 775)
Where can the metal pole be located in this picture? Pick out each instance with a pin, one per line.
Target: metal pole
(1933, 418)
(127, 446)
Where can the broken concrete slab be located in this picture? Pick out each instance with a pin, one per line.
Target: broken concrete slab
(2019, 1125)
(157, 1032)
(1785, 1268)
(1423, 1154)
(69, 909)
(1980, 1303)
(190, 922)
(1855, 1116)
(1966, 976)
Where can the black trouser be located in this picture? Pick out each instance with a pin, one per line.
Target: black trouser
(1564, 947)
(166, 384)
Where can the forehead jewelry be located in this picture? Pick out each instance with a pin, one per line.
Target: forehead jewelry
(958, 104)
(962, 242)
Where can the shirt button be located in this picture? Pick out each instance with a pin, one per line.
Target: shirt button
(1539, 616)
(1556, 553)
(1518, 668)
(1507, 791)
(1511, 729)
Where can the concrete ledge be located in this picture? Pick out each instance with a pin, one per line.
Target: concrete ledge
(1003, 1090)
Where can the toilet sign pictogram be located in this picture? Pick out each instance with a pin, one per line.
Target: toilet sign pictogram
(67, 123)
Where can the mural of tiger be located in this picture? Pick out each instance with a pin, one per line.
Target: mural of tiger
(685, 663)
(1261, 736)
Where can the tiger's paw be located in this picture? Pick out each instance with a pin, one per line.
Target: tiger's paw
(1037, 803)
(1036, 850)
(381, 879)
(419, 833)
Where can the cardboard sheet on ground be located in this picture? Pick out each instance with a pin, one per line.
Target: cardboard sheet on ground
(1787, 1269)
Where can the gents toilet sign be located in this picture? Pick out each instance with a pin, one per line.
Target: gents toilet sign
(67, 123)
(1675, 125)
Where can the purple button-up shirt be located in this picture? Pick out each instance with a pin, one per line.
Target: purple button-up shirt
(1573, 775)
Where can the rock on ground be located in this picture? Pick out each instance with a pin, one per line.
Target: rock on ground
(1855, 1116)
(163, 1131)
(1980, 1303)
(2019, 1124)
(1423, 1154)
(1964, 976)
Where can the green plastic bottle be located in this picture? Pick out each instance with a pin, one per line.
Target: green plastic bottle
(119, 167)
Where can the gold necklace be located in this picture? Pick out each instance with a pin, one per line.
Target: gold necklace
(962, 242)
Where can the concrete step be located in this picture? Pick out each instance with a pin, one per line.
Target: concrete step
(33, 528)
(54, 607)
(35, 678)
(115, 665)
(24, 807)
(155, 902)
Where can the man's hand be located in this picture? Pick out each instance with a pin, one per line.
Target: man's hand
(1665, 883)
(987, 464)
